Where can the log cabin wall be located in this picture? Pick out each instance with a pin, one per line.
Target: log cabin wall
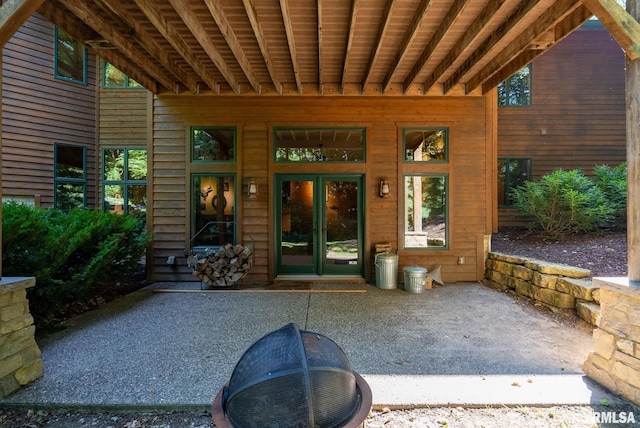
(577, 113)
(40, 110)
(470, 170)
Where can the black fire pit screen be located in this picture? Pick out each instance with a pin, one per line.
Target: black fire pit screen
(293, 378)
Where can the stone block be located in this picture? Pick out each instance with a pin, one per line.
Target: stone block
(630, 393)
(614, 321)
(8, 385)
(596, 295)
(16, 324)
(10, 364)
(589, 312)
(604, 344)
(524, 288)
(13, 311)
(555, 298)
(627, 347)
(557, 269)
(625, 374)
(16, 341)
(498, 277)
(14, 296)
(30, 373)
(496, 285)
(523, 273)
(503, 267)
(597, 369)
(544, 281)
(580, 289)
(507, 258)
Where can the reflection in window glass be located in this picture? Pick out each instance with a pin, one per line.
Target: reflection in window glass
(512, 173)
(516, 90)
(425, 144)
(319, 144)
(70, 58)
(69, 195)
(70, 178)
(125, 180)
(425, 216)
(213, 144)
(114, 78)
(214, 200)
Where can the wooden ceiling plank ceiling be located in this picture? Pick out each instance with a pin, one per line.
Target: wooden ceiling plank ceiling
(13, 13)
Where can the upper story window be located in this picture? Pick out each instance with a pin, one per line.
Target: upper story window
(296, 144)
(125, 180)
(425, 144)
(512, 172)
(213, 144)
(70, 58)
(516, 90)
(70, 176)
(114, 78)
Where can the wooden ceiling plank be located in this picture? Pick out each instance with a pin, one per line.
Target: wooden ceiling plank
(319, 7)
(382, 32)
(523, 43)
(493, 39)
(250, 9)
(177, 42)
(406, 42)
(621, 25)
(215, 8)
(196, 28)
(14, 13)
(138, 56)
(60, 16)
(441, 32)
(288, 28)
(146, 39)
(350, 35)
(474, 30)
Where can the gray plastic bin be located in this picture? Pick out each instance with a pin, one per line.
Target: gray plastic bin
(386, 270)
(414, 277)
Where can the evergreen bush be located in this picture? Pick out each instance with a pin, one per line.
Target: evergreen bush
(613, 182)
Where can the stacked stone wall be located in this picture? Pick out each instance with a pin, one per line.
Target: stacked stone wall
(551, 284)
(20, 362)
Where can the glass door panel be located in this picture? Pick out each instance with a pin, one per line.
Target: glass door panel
(341, 226)
(297, 237)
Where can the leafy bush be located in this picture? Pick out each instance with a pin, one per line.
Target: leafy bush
(563, 202)
(613, 182)
(70, 253)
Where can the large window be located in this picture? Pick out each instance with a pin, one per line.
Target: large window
(425, 211)
(114, 78)
(213, 144)
(125, 180)
(516, 90)
(213, 216)
(512, 172)
(70, 58)
(319, 144)
(70, 176)
(425, 144)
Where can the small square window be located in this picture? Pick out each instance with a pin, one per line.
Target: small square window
(425, 144)
(114, 78)
(213, 144)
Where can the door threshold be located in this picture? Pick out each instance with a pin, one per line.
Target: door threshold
(321, 278)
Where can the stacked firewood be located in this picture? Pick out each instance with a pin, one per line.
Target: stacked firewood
(225, 266)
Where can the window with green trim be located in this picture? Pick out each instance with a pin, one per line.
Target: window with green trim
(213, 144)
(213, 210)
(70, 176)
(512, 172)
(70, 58)
(124, 181)
(425, 211)
(516, 90)
(425, 144)
(298, 144)
(113, 78)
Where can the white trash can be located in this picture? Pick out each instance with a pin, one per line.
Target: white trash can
(414, 277)
(386, 270)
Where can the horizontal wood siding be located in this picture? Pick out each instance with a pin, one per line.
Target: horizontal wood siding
(577, 117)
(383, 119)
(38, 110)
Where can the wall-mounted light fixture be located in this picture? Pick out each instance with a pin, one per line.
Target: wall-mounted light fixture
(252, 189)
(384, 188)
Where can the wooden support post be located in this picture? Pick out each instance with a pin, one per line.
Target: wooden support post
(633, 156)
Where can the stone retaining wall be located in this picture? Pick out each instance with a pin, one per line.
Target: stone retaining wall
(20, 362)
(552, 284)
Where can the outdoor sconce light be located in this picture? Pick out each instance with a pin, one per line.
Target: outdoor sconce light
(384, 189)
(253, 189)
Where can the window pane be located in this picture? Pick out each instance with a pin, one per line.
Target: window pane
(114, 198)
(214, 210)
(137, 198)
(113, 77)
(114, 165)
(423, 145)
(69, 162)
(516, 90)
(69, 195)
(70, 57)
(137, 165)
(502, 182)
(425, 212)
(319, 144)
(519, 173)
(212, 144)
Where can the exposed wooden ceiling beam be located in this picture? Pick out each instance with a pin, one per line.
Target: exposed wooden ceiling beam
(13, 13)
(288, 28)
(443, 29)
(146, 39)
(578, 16)
(522, 43)
(177, 42)
(473, 32)
(406, 42)
(377, 46)
(490, 43)
(215, 8)
(319, 8)
(196, 28)
(620, 24)
(249, 7)
(350, 34)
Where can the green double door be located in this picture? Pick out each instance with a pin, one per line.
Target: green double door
(319, 224)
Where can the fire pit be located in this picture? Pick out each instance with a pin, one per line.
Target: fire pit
(293, 378)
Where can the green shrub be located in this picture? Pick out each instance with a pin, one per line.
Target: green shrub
(70, 253)
(563, 202)
(613, 182)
